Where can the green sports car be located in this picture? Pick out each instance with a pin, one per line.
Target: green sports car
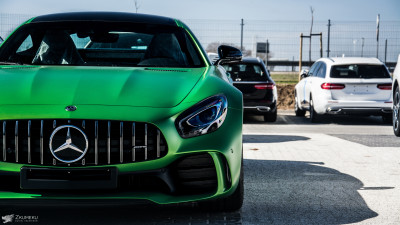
(117, 106)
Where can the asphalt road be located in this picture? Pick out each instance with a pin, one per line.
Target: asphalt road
(340, 171)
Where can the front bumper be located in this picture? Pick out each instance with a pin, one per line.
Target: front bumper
(224, 146)
(179, 182)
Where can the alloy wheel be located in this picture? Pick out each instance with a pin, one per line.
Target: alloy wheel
(396, 112)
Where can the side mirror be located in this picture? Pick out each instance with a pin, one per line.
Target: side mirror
(303, 73)
(228, 54)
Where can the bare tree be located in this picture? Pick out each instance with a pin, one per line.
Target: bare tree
(137, 6)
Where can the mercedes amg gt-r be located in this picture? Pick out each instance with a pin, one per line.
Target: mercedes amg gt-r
(117, 106)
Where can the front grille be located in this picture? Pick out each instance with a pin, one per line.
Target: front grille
(109, 142)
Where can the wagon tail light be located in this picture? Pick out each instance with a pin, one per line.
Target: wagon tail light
(268, 86)
(329, 86)
(385, 86)
(203, 118)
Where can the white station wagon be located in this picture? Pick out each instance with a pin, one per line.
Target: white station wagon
(345, 86)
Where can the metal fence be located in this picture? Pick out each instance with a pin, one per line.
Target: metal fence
(346, 38)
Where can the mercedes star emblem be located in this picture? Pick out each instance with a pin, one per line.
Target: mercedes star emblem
(70, 108)
(66, 151)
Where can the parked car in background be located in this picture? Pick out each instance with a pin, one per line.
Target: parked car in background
(1, 40)
(345, 86)
(103, 105)
(396, 98)
(252, 78)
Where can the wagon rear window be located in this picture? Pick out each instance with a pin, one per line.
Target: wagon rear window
(359, 71)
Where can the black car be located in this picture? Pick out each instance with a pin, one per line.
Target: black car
(259, 90)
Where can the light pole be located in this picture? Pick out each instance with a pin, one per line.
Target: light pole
(354, 46)
(362, 47)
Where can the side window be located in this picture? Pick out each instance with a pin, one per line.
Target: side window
(27, 44)
(314, 68)
(321, 71)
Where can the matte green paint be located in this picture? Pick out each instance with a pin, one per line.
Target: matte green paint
(152, 95)
(47, 85)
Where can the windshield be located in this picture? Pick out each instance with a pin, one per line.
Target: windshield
(245, 72)
(101, 44)
(359, 71)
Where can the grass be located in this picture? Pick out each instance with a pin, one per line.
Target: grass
(285, 77)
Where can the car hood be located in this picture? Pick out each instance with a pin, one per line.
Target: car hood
(69, 85)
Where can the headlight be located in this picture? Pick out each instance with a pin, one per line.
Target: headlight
(203, 118)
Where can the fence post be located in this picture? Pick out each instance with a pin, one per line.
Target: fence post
(241, 36)
(329, 37)
(385, 50)
(301, 53)
(320, 44)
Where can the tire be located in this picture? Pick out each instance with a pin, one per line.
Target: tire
(396, 112)
(231, 203)
(314, 117)
(271, 117)
(299, 112)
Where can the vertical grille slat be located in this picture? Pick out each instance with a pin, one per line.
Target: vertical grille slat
(29, 142)
(16, 141)
(133, 142)
(158, 144)
(145, 142)
(109, 142)
(4, 141)
(41, 142)
(121, 142)
(96, 142)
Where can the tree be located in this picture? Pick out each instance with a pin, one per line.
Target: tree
(137, 6)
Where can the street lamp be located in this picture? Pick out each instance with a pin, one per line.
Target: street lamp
(362, 47)
(354, 46)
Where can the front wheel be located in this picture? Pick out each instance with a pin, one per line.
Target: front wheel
(299, 112)
(314, 117)
(396, 112)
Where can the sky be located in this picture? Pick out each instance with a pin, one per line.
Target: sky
(218, 20)
(280, 10)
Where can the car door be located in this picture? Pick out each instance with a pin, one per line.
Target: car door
(308, 83)
(317, 79)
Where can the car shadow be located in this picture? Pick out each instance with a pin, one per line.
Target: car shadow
(289, 192)
(351, 120)
(254, 138)
(278, 192)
